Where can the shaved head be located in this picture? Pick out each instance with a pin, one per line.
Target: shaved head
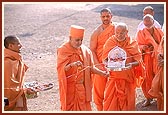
(9, 40)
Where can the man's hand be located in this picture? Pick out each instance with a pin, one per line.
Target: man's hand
(144, 47)
(106, 73)
(30, 91)
(77, 63)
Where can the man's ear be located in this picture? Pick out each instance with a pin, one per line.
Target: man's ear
(10, 46)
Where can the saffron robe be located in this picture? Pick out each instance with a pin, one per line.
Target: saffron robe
(149, 57)
(14, 70)
(120, 87)
(99, 82)
(157, 88)
(74, 85)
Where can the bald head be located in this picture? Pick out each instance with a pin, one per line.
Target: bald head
(121, 30)
(10, 40)
(12, 43)
(148, 10)
(122, 25)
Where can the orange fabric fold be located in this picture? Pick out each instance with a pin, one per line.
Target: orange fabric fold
(14, 70)
(102, 38)
(139, 73)
(75, 88)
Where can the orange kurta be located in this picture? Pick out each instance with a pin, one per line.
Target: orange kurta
(149, 57)
(157, 88)
(75, 88)
(99, 81)
(120, 88)
(14, 70)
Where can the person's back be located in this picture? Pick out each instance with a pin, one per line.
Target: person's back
(148, 10)
(97, 41)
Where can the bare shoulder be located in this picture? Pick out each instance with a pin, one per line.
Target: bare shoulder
(96, 32)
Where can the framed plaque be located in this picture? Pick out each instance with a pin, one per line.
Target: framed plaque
(117, 59)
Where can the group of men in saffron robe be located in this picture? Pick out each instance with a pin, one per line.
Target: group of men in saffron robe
(83, 72)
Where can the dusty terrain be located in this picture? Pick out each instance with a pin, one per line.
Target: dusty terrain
(42, 28)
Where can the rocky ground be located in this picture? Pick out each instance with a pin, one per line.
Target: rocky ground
(44, 27)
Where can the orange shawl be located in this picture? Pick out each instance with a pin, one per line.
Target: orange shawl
(63, 58)
(145, 38)
(14, 70)
(102, 37)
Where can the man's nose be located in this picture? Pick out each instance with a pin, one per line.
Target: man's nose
(20, 45)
